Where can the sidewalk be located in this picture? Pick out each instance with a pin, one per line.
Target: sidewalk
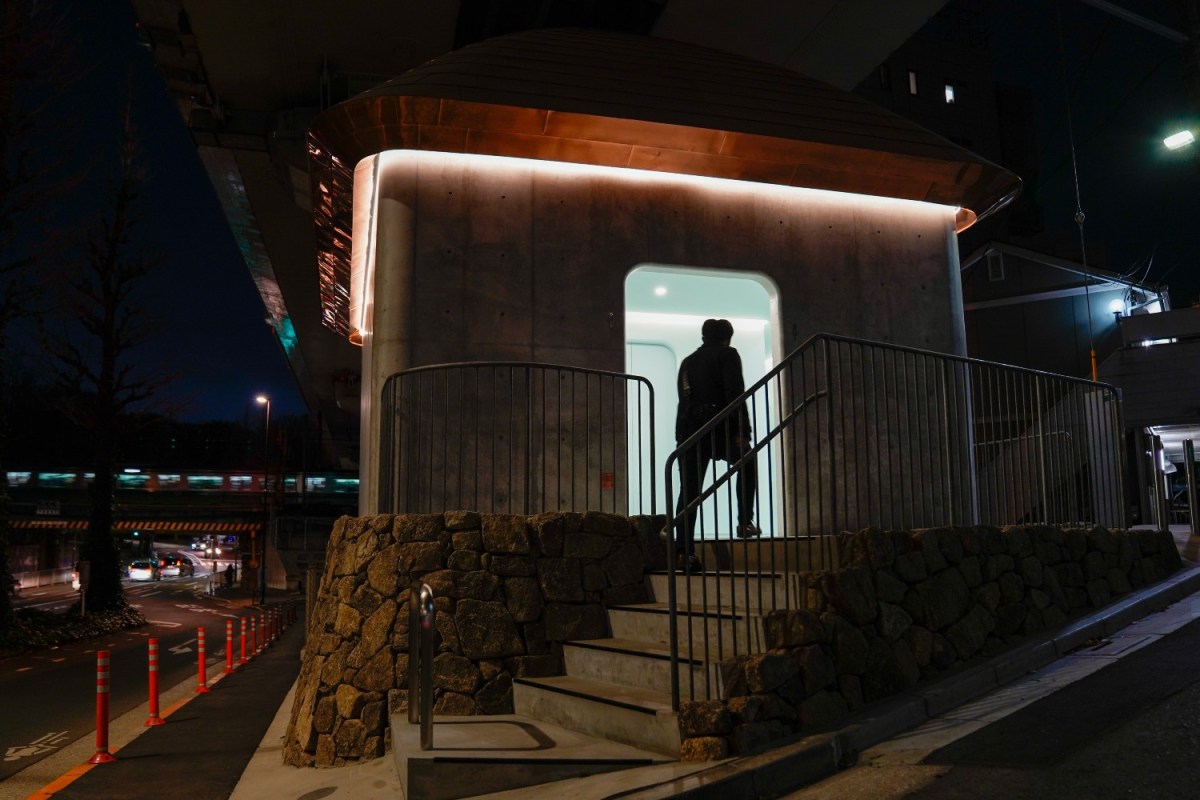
(228, 743)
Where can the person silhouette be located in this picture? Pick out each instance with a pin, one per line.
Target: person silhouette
(709, 380)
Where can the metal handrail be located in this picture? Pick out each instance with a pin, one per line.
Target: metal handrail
(421, 617)
(887, 436)
(516, 437)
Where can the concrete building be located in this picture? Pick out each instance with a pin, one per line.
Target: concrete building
(505, 194)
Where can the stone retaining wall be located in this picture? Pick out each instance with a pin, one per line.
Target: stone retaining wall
(909, 606)
(508, 591)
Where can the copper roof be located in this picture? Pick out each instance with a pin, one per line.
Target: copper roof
(613, 99)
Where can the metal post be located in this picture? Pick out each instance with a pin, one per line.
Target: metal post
(1161, 505)
(1189, 465)
(421, 614)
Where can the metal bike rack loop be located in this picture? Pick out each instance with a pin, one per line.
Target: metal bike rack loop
(421, 613)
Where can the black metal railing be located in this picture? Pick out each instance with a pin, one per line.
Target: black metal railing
(516, 438)
(851, 434)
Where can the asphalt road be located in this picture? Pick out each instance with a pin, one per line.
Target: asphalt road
(49, 697)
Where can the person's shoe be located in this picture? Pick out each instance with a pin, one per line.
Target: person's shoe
(689, 564)
(748, 530)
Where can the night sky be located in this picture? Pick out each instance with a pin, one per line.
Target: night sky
(212, 330)
(1126, 94)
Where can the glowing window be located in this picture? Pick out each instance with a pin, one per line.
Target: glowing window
(132, 480)
(18, 478)
(168, 480)
(949, 93)
(241, 482)
(912, 82)
(205, 482)
(54, 479)
(314, 484)
(345, 485)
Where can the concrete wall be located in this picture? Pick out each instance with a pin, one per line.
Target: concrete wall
(482, 258)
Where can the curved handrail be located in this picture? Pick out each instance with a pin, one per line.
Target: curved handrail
(512, 421)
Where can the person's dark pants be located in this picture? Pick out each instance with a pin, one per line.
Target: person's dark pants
(692, 467)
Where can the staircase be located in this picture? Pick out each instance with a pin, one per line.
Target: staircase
(611, 711)
(619, 688)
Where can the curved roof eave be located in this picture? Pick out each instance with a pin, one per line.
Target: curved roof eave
(609, 99)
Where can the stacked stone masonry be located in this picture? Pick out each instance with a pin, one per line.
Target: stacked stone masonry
(902, 607)
(907, 606)
(509, 590)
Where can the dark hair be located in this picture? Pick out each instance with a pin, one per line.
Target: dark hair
(716, 330)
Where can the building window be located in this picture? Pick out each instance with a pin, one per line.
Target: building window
(995, 266)
(912, 82)
(949, 94)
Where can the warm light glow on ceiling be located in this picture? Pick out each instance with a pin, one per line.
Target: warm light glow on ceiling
(372, 175)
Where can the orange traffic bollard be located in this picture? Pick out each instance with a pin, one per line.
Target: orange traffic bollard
(102, 755)
(228, 646)
(253, 636)
(154, 719)
(202, 682)
(243, 660)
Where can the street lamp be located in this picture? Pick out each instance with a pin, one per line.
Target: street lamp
(262, 400)
(1179, 140)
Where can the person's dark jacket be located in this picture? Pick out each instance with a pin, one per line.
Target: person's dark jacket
(709, 380)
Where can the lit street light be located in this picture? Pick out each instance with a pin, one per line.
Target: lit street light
(1179, 140)
(262, 399)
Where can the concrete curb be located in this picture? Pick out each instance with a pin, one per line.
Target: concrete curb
(813, 758)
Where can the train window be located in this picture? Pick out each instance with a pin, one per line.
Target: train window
(18, 478)
(345, 485)
(135, 480)
(314, 484)
(50, 480)
(205, 482)
(241, 482)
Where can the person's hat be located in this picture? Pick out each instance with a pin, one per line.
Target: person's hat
(716, 330)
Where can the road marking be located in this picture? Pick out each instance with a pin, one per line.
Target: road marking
(164, 623)
(180, 649)
(38, 747)
(24, 669)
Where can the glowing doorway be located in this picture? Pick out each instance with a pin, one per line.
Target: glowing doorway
(664, 309)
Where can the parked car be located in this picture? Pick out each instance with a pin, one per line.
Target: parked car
(144, 570)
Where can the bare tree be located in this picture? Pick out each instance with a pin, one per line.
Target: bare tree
(97, 359)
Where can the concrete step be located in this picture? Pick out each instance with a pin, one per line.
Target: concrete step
(773, 554)
(625, 714)
(640, 664)
(703, 635)
(729, 590)
(496, 753)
